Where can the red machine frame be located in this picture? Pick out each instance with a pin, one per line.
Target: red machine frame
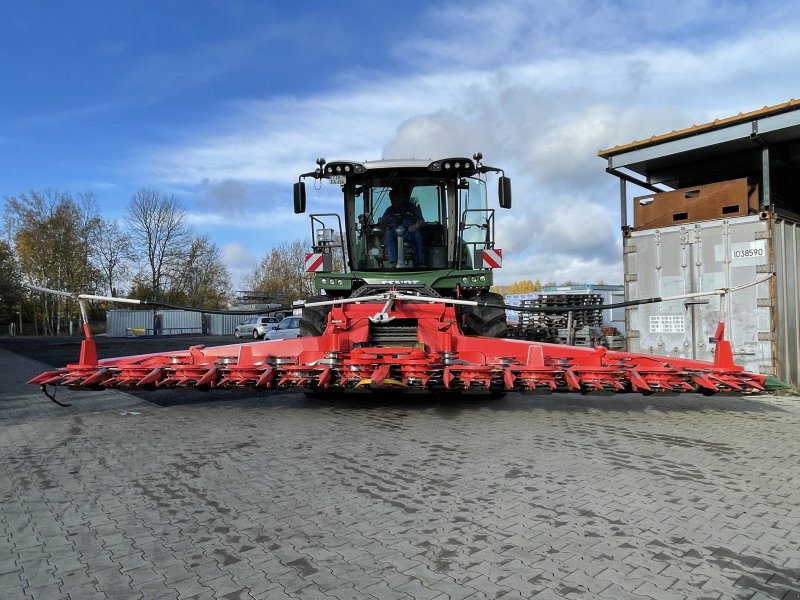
(442, 359)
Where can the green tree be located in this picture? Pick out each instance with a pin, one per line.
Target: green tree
(51, 232)
(203, 281)
(140, 288)
(10, 288)
(282, 271)
(523, 286)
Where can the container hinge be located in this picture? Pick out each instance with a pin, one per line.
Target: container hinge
(631, 277)
(766, 302)
(767, 268)
(763, 235)
(633, 333)
(766, 336)
(629, 249)
(767, 370)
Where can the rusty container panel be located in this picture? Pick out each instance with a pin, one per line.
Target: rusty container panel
(699, 257)
(726, 199)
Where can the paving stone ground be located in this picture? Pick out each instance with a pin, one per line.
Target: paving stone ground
(280, 496)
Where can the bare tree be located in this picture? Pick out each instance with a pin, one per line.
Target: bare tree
(158, 229)
(113, 254)
(282, 271)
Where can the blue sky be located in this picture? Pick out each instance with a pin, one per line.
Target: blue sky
(225, 103)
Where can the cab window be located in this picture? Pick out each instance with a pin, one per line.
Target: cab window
(371, 203)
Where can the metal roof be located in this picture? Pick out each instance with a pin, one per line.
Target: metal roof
(720, 150)
(792, 104)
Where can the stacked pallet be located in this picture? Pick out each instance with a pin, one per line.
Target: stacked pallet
(548, 326)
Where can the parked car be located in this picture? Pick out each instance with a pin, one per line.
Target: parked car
(255, 327)
(288, 328)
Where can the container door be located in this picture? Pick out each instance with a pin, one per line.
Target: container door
(700, 257)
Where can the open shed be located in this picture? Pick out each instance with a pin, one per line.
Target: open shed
(722, 211)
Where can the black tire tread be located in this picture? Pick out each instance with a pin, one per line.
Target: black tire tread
(315, 318)
(486, 321)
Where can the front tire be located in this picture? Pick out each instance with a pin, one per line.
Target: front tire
(314, 318)
(485, 321)
(255, 334)
(236, 334)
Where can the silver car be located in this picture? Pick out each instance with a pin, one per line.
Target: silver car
(255, 327)
(288, 328)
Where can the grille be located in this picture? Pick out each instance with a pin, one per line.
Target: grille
(400, 332)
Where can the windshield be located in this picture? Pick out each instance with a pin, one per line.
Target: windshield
(399, 222)
(416, 222)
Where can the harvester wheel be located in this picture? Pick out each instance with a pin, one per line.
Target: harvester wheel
(486, 321)
(314, 318)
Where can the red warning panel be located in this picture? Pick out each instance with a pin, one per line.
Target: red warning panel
(313, 262)
(492, 258)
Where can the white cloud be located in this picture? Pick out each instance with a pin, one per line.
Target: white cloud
(239, 261)
(265, 220)
(538, 87)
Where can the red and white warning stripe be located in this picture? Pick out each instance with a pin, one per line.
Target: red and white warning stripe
(492, 258)
(314, 262)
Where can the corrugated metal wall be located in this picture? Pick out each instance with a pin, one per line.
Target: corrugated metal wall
(224, 324)
(786, 242)
(178, 322)
(124, 323)
(762, 320)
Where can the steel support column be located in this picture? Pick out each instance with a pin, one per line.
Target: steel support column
(765, 185)
(623, 203)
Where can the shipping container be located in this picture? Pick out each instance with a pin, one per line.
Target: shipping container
(178, 322)
(761, 320)
(225, 324)
(128, 323)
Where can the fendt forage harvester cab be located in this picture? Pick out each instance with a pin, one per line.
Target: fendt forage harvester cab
(443, 246)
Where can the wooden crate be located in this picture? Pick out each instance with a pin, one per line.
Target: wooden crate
(721, 200)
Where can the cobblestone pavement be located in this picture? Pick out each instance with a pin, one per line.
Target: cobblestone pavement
(280, 496)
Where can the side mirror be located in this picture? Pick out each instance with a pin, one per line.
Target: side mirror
(504, 191)
(300, 197)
